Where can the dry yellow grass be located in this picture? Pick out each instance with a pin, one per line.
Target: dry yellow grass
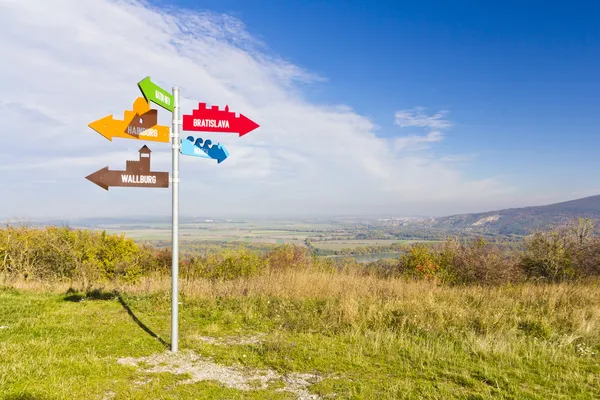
(359, 301)
(423, 340)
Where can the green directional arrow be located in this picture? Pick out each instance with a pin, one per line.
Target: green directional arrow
(154, 93)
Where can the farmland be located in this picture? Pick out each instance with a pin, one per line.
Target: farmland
(326, 237)
(219, 232)
(350, 244)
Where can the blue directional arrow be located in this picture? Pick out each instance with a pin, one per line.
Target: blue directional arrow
(203, 148)
(190, 149)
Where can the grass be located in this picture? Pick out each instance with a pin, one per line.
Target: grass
(366, 337)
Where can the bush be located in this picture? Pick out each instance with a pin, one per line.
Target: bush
(478, 262)
(456, 262)
(421, 261)
(226, 264)
(289, 257)
(65, 254)
(87, 257)
(565, 253)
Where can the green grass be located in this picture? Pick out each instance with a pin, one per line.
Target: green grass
(366, 338)
(58, 349)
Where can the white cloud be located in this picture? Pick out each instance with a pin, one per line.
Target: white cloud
(417, 118)
(415, 141)
(74, 61)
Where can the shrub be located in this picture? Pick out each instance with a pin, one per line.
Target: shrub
(565, 253)
(87, 257)
(588, 258)
(289, 257)
(477, 261)
(421, 261)
(459, 262)
(226, 264)
(78, 255)
(385, 268)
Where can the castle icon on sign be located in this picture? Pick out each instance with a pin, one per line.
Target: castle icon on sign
(215, 112)
(142, 165)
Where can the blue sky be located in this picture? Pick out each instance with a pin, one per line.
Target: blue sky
(387, 107)
(521, 79)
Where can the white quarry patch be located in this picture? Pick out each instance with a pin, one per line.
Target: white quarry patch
(485, 220)
(201, 369)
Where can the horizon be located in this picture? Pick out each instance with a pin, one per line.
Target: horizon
(183, 217)
(364, 109)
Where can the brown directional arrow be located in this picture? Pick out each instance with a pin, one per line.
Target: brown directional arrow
(136, 174)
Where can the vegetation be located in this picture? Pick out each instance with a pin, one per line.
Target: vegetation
(366, 337)
(85, 258)
(455, 319)
(356, 247)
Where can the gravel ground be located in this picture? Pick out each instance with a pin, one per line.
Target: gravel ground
(202, 369)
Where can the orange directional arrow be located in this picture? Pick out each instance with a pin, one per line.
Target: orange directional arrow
(140, 123)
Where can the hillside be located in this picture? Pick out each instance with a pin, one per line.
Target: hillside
(522, 221)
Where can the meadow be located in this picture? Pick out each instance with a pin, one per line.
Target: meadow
(301, 334)
(87, 315)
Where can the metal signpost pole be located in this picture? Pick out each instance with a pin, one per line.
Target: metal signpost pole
(175, 225)
(141, 123)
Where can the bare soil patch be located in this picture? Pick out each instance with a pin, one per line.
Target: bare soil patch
(202, 369)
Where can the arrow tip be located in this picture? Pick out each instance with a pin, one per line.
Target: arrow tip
(102, 126)
(144, 82)
(97, 178)
(246, 125)
(142, 85)
(223, 154)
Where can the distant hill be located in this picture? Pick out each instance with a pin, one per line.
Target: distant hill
(522, 221)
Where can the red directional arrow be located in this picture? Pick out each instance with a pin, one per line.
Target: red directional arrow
(215, 120)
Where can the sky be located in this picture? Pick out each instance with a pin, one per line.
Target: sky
(365, 107)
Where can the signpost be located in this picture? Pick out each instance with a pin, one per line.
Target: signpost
(204, 149)
(136, 174)
(141, 123)
(155, 94)
(214, 120)
(175, 146)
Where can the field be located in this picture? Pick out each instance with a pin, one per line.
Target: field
(301, 334)
(325, 236)
(221, 235)
(258, 232)
(350, 244)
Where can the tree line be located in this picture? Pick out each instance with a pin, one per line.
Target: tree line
(86, 257)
